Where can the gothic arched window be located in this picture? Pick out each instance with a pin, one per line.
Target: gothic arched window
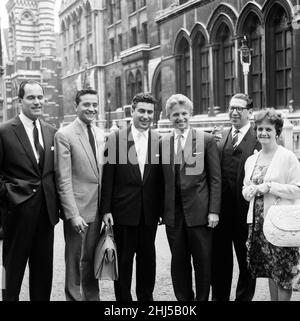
(279, 62)
(201, 74)
(183, 69)
(224, 67)
(139, 82)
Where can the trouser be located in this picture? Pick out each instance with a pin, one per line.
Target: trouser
(80, 281)
(225, 237)
(188, 243)
(28, 236)
(140, 241)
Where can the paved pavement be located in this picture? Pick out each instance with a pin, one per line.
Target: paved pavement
(163, 288)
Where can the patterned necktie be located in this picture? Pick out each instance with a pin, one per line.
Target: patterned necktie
(235, 138)
(38, 147)
(92, 140)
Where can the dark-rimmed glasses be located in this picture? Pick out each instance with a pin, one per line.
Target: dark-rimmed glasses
(238, 109)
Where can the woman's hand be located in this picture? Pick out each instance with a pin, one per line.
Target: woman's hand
(252, 191)
(262, 189)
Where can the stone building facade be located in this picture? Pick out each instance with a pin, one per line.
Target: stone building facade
(183, 46)
(200, 42)
(1, 78)
(32, 55)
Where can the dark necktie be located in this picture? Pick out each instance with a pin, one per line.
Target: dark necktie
(38, 147)
(92, 140)
(235, 138)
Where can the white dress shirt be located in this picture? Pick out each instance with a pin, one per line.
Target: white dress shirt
(242, 132)
(28, 125)
(183, 135)
(140, 139)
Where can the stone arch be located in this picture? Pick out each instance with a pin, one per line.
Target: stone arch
(223, 13)
(246, 11)
(269, 6)
(199, 28)
(182, 34)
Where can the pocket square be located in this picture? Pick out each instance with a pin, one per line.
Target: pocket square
(157, 155)
(52, 148)
(194, 154)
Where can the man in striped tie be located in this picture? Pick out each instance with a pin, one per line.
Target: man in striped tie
(236, 145)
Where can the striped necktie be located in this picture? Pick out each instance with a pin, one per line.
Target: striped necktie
(235, 138)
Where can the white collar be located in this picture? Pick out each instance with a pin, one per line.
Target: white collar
(179, 133)
(83, 124)
(243, 130)
(136, 132)
(26, 121)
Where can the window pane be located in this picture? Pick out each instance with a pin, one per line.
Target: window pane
(279, 40)
(280, 98)
(280, 62)
(289, 78)
(288, 39)
(288, 59)
(280, 80)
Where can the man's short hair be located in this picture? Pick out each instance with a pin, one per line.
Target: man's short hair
(178, 99)
(142, 98)
(244, 97)
(22, 85)
(83, 92)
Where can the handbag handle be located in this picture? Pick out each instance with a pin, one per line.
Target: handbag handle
(277, 201)
(109, 230)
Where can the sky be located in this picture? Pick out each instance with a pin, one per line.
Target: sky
(4, 17)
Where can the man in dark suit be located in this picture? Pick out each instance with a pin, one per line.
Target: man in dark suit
(235, 146)
(131, 198)
(28, 190)
(192, 177)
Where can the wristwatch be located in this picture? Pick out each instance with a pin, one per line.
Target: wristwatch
(269, 186)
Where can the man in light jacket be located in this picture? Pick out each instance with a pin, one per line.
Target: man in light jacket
(78, 165)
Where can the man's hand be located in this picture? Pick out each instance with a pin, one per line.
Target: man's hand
(78, 224)
(213, 220)
(108, 219)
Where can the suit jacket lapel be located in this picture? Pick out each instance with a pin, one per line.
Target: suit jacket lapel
(248, 142)
(223, 141)
(152, 156)
(47, 139)
(86, 146)
(188, 147)
(25, 142)
(132, 155)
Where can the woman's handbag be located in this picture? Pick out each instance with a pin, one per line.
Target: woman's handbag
(106, 259)
(282, 225)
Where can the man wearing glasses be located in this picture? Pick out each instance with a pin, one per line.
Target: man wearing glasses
(235, 146)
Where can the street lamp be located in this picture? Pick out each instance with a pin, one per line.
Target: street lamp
(245, 58)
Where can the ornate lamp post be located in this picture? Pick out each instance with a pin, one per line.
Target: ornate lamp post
(245, 58)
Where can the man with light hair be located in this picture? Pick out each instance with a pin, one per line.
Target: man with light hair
(192, 199)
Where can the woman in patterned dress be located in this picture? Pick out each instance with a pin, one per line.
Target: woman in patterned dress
(271, 176)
